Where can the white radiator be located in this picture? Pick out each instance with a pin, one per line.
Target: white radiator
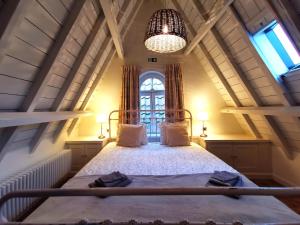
(43, 175)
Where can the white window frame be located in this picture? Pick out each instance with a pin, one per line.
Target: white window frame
(152, 93)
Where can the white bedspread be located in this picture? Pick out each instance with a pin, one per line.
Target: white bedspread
(154, 159)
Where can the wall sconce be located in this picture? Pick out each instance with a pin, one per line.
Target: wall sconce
(101, 118)
(203, 116)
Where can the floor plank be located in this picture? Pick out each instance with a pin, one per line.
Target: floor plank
(291, 202)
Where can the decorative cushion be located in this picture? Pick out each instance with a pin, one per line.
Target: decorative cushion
(130, 135)
(163, 125)
(177, 136)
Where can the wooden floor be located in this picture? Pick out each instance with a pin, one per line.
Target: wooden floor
(292, 202)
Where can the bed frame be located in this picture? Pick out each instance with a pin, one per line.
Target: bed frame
(176, 115)
(257, 191)
(172, 116)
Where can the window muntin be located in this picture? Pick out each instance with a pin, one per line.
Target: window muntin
(152, 98)
(276, 49)
(287, 44)
(152, 84)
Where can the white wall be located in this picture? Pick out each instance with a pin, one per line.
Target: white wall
(286, 171)
(20, 159)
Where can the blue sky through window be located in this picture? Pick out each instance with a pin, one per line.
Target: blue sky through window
(276, 49)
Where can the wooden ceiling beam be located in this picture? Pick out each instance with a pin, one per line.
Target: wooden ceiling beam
(11, 15)
(131, 17)
(84, 85)
(104, 47)
(7, 136)
(286, 13)
(250, 125)
(277, 85)
(269, 120)
(280, 89)
(43, 75)
(88, 44)
(206, 27)
(124, 32)
(11, 119)
(105, 66)
(113, 27)
(291, 111)
(96, 30)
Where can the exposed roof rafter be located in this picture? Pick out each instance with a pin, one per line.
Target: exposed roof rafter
(124, 31)
(100, 22)
(250, 125)
(93, 87)
(11, 119)
(292, 111)
(113, 27)
(43, 76)
(206, 27)
(269, 120)
(287, 14)
(84, 85)
(11, 14)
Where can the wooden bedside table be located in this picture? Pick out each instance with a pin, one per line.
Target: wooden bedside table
(248, 155)
(83, 150)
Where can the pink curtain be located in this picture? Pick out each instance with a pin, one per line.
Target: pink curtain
(174, 92)
(130, 95)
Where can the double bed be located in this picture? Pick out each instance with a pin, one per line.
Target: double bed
(159, 167)
(154, 166)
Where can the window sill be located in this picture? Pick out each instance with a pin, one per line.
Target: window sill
(294, 72)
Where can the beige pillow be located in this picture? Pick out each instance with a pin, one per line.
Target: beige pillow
(177, 136)
(130, 135)
(163, 125)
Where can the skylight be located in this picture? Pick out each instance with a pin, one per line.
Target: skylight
(288, 46)
(276, 49)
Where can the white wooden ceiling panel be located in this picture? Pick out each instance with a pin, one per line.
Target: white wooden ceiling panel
(55, 8)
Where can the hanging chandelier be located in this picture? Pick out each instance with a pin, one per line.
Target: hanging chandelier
(166, 32)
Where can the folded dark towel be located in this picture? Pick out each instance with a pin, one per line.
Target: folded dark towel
(115, 179)
(112, 177)
(224, 178)
(227, 179)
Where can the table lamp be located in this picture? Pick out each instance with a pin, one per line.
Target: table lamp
(101, 118)
(203, 116)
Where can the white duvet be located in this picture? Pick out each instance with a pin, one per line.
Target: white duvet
(154, 159)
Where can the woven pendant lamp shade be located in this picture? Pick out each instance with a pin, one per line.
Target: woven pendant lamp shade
(166, 32)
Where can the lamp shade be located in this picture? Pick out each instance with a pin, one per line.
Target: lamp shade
(166, 32)
(203, 116)
(101, 118)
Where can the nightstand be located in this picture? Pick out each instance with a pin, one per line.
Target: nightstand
(248, 155)
(83, 150)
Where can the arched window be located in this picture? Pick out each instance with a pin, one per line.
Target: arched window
(152, 98)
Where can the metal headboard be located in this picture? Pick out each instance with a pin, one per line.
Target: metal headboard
(156, 117)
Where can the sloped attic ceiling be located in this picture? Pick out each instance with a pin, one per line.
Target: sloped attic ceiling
(53, 54)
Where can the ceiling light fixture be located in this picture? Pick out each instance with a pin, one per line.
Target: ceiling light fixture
(166, 32)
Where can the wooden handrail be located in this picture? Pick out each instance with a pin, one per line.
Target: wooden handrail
(256, 191)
